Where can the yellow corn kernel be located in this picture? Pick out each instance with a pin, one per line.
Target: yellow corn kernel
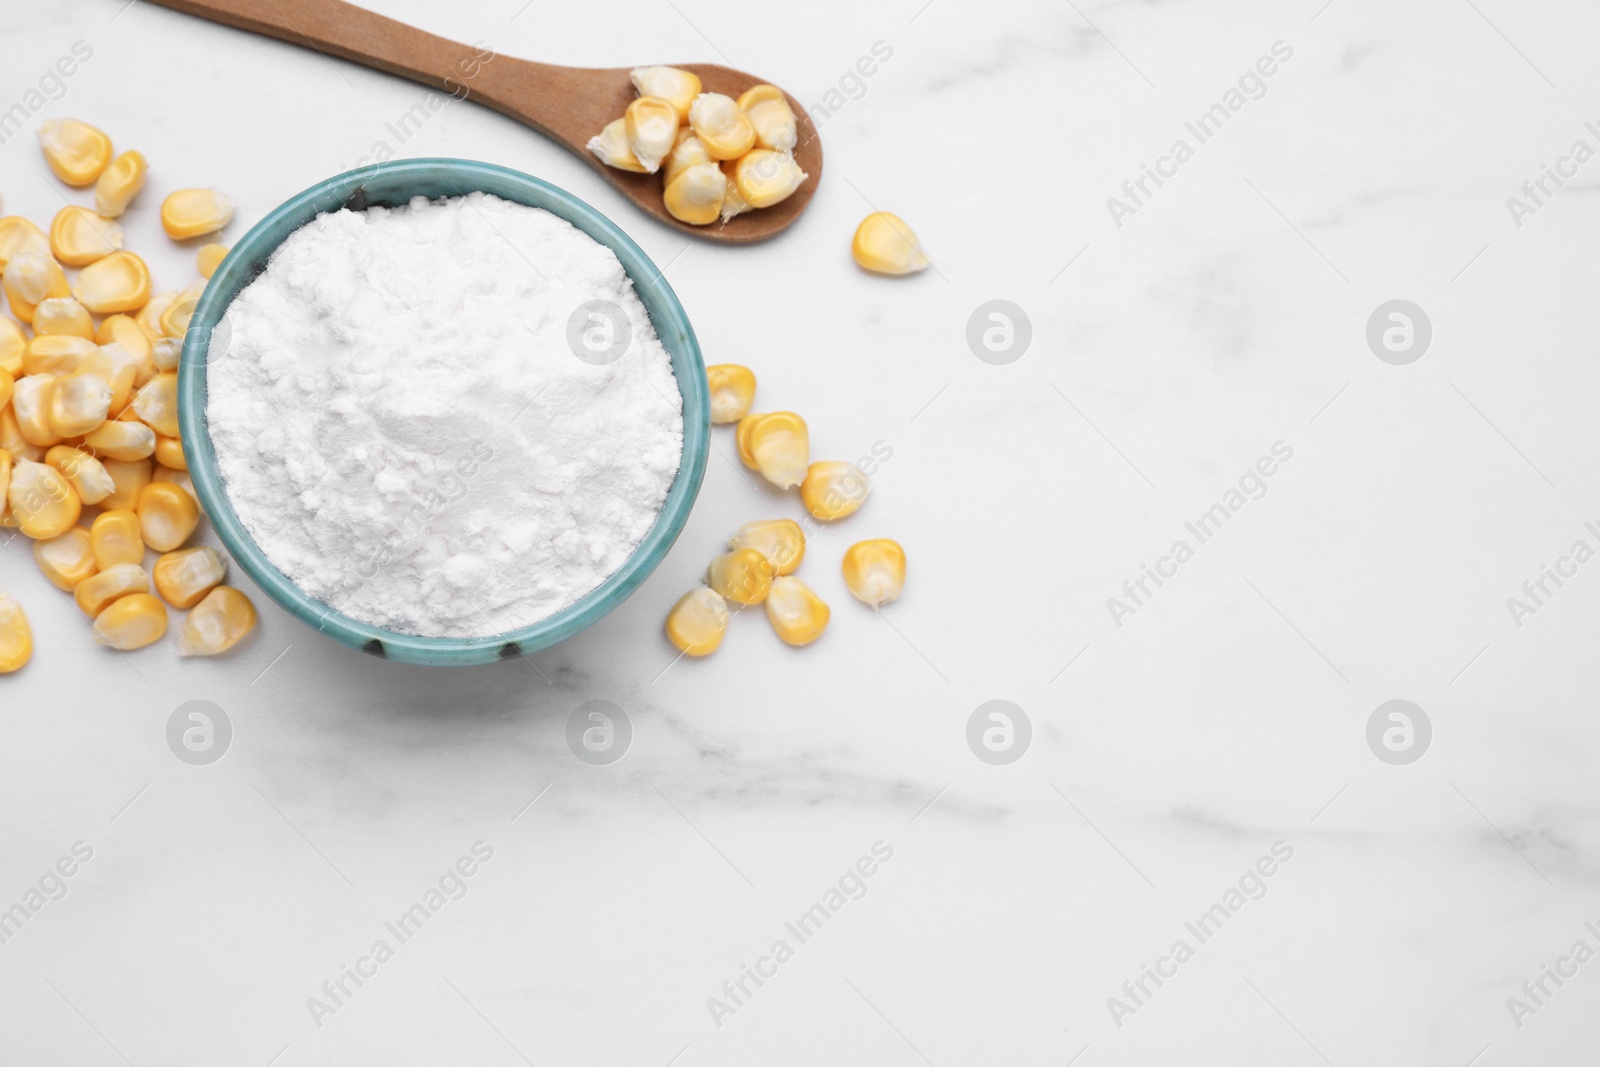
(610, 146)
(87, 475)
(733, 390)
(732, 202)
(78, 404)
(209, 258)
(875, 571)
(776, 444)
(130, 478)
(770, 114)
(64, 317)
(55, 354)
(192, 212)
(695, 195)
(742, 575)
(122, 441)
(765, 177)
(78, 236)
(66, 560)
(885, 244)
(687, 151)
(119, 282)
(149, 318)
(169, 453)
(833, 489)
(781, 541)
(7, 384)
(697, 622)
(651, 125)
(16, 638)
(678, 87)
(42, 500)
(167, 516)
(797, 614)
(18, 236)
(119, 183)
(217, 623)
(13, 342)
(30, 278)
(116, 366)
(179, 479)
(6, 461)
(76, 151)
(131, 622)
(157, 404)
(187, 575)
(167, 353)
(97, 592)
(30, 399)
(12, 442)
(124, 330)
(175, 320)
(722, 127)
(114, 538)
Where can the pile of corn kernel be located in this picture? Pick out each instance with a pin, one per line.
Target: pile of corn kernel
(718, 156)
(89, 411)
(762, 556)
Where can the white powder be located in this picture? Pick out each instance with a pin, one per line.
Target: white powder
(404, 429)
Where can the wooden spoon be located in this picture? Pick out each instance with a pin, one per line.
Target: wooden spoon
(567, 104)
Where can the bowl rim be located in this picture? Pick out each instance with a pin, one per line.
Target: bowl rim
(249, 256)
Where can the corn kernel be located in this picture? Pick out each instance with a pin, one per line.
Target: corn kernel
(733, 390)
(833, 489)
(687, 151)
(12, 442)
(167, 516)
(875, 571)
(157, 404)
(116, 366)
(30, 278)
(119, 282)
(7, 384)
(187, 575)
(217, 623)
(776, 444)
(169, 453)
(30, 399)
(18, 236)
(97, 592)
(42, 500)
(76, 151)
(885, 244)
(732, 203)
(78, 404)
(610, 145)
(123, 441)
(16, 638)
(651, 124)
(87, 475)
(114, 538)
(697, 622)
(130, 478)
(772, 117)
(209, 258)
(149, 318)
(119, 183)
(167, 353)
(13, 342)
(742, 575)
(797, 614)
(63, 316)
(55, 354)
(695, 195)
(131, 622)
(679, 87)
(66, 560)
(180, 479)
(78, 236)
(6, 461)
(175, 320)
(765, 177)
(781, 541)
(192, 212)
(124, 330)
(722, 127)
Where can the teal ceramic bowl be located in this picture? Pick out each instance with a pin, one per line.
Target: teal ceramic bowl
(397, 183)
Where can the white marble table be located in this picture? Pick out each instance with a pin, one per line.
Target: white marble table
(1173, 745)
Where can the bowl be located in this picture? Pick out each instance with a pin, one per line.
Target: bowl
(396, 183)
